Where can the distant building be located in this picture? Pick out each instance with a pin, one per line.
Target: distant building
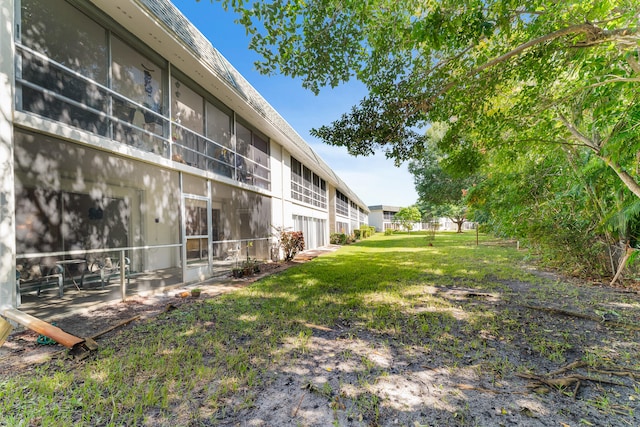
(382, 218)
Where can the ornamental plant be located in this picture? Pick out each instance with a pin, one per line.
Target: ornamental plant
(289, 242)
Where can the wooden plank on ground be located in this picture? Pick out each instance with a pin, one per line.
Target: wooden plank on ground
(5, 330)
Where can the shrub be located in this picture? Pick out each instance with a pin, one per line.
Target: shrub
(366, 231)
(388, 232)
(358, 235)
(292, 243)
(338, 239)
(289, 242)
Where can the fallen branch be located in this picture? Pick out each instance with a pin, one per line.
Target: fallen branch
(566, 381)
(622, 264)
(620, 373)
(573, 365)
(582, 316)
(116, 326)
(318, 327)
(470, 293)
(575, 390)
(298, 407)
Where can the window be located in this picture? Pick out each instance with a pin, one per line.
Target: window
(239, 217)
(73, 70)
(252, 159)
(342, 204)
(106, 212)
(66, 35)
(137, 77)
(218, 125)
(296, 179)
(354, 215)
(243, 140)
(187, 107)
(354, 211)
(69, 83)
(306, 186)
(140, 80)
(74, 41)
(187, 111)
(313, 230)
(342, 227)
(260, 155)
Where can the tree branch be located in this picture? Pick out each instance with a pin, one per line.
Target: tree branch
(585, 28)
(627, 179)
(578, 135)
(615, 80)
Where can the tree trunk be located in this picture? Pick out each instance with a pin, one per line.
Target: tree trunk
(623, 263)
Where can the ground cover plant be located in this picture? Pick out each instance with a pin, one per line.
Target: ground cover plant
(393, 330)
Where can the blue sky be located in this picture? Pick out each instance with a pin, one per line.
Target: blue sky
(374, 179)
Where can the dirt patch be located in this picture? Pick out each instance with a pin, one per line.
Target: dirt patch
(351, 378)
(564, 355)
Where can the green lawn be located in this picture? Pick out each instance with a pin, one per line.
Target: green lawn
(212, 357)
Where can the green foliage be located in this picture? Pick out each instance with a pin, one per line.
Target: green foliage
(338, 239)
(365, 231)
(562, 212)
(211, 359)
(388, 232)
(499, 63)
(497, 83)
(406, 217)
(436, 185)
(441, 190)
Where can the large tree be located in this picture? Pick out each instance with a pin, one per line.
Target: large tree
(441, 192)
(509, 78)
(501, 72)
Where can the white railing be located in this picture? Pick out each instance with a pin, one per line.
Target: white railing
(84, 252)
(242, 168)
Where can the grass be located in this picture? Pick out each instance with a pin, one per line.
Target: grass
(209, 359)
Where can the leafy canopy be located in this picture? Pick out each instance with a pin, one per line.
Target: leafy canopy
(539, 98)
(501, 72)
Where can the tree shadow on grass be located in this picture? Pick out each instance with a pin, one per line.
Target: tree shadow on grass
(356, 339)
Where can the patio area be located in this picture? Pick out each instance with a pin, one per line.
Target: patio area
(49, 306)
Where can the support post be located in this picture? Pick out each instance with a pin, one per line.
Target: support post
(8, 294)
(123, 283)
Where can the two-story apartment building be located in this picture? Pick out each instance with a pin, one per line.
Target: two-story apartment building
(382, 217)
(124, 132)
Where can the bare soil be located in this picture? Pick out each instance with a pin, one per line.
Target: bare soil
(408, 385)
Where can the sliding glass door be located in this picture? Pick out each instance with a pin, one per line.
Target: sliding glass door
(197, 220)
